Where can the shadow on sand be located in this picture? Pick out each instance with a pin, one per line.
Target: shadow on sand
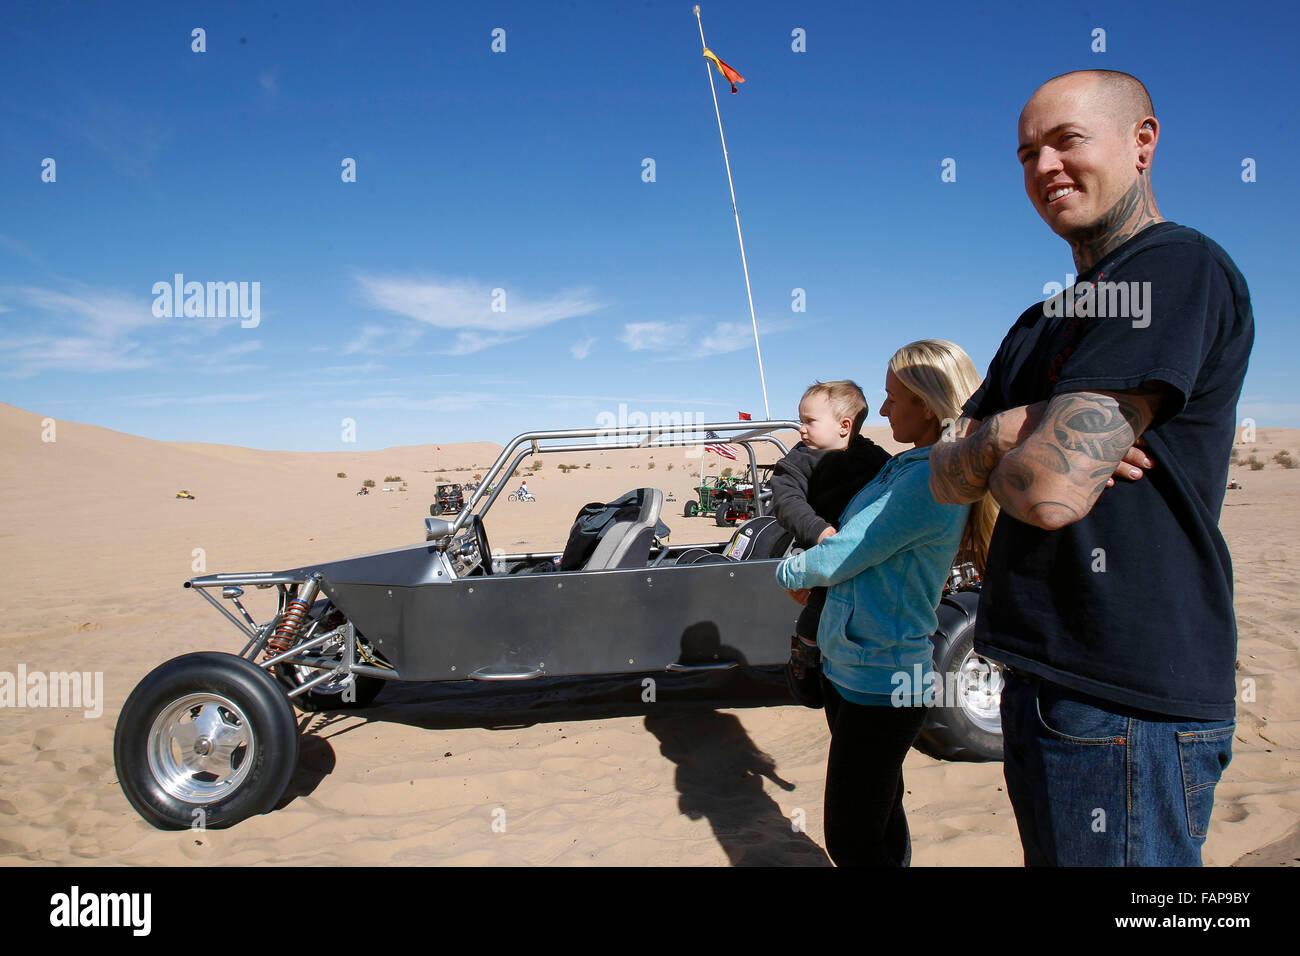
(719, 773)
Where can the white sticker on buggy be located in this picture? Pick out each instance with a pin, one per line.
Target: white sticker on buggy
(738, 547)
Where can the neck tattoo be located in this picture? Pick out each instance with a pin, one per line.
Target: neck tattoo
(1134, 211)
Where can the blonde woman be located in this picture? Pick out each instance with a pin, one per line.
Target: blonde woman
(885, 570)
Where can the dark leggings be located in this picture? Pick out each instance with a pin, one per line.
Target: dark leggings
(864, 820)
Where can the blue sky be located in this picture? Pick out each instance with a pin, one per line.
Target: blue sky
(522, 171)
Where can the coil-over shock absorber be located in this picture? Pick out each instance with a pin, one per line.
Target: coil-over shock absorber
(295, 612)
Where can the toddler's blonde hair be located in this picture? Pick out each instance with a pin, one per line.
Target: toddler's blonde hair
(845, 398)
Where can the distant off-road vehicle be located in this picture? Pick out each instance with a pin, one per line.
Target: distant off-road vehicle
(731, 499)
(448, 499)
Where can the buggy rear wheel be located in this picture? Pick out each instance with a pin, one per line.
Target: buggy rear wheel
(205, 741)
(341, 692)
(967, 724)
(349, 692)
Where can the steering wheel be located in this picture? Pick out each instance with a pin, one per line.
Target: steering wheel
(471, 549)
(480, 538)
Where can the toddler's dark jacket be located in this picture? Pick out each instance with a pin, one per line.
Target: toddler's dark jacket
(811, 487)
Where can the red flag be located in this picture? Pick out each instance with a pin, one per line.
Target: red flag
(731, 75)
(744, 416)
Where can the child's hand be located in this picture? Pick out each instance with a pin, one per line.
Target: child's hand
(800, 596)
(825, 534)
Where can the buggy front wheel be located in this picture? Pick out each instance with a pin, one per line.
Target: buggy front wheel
(205, 741)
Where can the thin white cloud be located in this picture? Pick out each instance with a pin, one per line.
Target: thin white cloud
(582, 348)
(21, 341)
(653, 336)
(381, 340)
(221, 362)
(81, 331)
(73, 355)
(456, 402)
(99, 313)
(366, 368)
(639, 401)
(463, 304)
(692, 338)
(467, 343)
(239, 348)
(269, 82)
(20, 249)
(229, 398)
(128, 139)
(727, 337)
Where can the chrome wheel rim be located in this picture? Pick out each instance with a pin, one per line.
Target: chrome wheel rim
(201, 748)
(979, 692)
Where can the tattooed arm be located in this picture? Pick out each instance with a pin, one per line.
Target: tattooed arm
(1054, 476)
(965, 458)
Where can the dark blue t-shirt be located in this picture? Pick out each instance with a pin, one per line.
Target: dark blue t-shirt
(1133, 602)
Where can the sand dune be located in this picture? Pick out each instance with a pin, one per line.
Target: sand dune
(94, 547)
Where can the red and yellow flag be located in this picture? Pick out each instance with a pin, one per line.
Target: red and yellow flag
(728, 73)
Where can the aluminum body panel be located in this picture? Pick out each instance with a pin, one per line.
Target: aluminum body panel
(568, 623)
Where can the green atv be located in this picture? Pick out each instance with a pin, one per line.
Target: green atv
(730, 498)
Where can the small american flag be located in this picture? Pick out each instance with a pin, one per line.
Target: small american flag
(719, 447)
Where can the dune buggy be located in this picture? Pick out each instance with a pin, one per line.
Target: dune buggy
(211, 738)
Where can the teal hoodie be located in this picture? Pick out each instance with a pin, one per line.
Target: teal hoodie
(885, 569)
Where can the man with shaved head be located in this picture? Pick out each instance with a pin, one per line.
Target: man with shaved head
(1109, 604)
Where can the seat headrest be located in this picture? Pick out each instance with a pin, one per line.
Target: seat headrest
(652, 502)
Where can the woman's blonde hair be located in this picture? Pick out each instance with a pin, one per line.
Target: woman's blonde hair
(942, 375)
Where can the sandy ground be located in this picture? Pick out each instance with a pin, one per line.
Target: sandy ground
(94, 547)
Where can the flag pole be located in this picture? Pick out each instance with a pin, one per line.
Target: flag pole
(767, 414)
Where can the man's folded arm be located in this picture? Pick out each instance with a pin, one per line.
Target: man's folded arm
(1052, 476)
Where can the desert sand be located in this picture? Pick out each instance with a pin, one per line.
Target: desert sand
(95, 547)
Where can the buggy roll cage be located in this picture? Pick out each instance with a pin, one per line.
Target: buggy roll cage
(664, 435)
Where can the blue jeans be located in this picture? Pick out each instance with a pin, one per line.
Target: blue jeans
(1096, 784)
